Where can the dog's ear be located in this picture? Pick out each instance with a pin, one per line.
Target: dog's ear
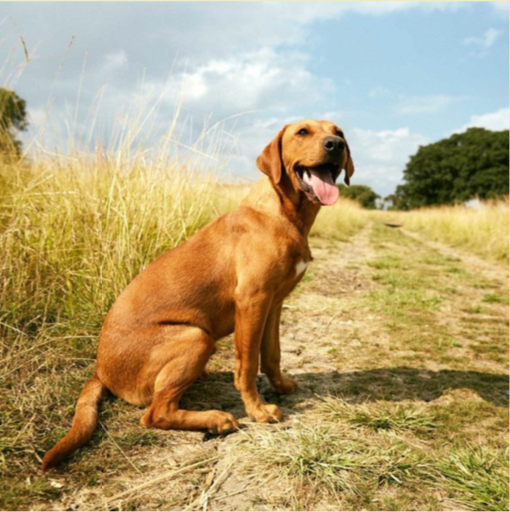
(270, 160)
(349, 165)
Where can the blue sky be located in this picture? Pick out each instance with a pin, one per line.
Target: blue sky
(394, 75)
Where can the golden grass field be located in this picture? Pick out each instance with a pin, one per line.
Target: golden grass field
(76, 228)
(483, 230)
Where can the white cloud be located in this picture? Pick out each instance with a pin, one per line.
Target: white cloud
(381, 156)
(426, 104)
(486, 40)
(501, 7)
(111, 63)
(193, 87)
(267, 82)
(263, 80)
(497, 121)
(37, 116)
(116, 60)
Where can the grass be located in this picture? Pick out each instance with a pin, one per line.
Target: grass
(384, 416)
(358, 469)
(480, 475)
(412, 280)
(341, 221)
(483, 231)
(71, 239)
(73, 235)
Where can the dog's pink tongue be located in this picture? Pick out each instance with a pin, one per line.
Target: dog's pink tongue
(323, 186)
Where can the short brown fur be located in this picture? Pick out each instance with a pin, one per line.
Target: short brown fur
(232, 275)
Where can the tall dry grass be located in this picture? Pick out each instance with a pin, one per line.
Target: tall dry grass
(340, 221)
(483, 230)
(72, 238)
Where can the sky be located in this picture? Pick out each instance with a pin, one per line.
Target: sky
(393, 75)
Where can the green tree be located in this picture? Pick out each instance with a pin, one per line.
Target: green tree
(464, 166)
(360, 193)
(12, 121)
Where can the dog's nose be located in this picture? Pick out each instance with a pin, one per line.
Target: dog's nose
(333, 144)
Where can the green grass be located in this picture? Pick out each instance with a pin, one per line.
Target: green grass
(359, 455)
(413, 289)
(341, 221)
(479, 475)
(382, 416)
(493, 298)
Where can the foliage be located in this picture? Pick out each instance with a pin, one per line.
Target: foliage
(464, 166)
(12, 120)
(360, 193)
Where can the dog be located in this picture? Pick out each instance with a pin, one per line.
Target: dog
(231, 276)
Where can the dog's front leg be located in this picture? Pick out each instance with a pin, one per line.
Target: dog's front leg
(270, 354)
(251, 314)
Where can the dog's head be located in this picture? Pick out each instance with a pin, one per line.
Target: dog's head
(308, 156)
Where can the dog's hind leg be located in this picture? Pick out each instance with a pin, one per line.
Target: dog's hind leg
(186, 358)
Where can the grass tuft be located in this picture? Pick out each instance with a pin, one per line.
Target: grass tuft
(479, 477)
(385, 416)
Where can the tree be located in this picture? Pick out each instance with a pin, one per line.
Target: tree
(464, 166)
(12, 120)
(360, 193)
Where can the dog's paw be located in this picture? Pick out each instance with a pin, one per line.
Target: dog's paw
(266, 413)
(222, 423)
(285, 386)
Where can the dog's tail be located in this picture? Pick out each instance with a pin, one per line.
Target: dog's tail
(84, 423)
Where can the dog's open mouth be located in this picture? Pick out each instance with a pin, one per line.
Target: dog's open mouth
(319, 182)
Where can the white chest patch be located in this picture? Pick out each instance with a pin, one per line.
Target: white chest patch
(301, 267)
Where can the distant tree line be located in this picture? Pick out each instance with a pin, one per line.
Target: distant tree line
(363, 194)
(468, 165)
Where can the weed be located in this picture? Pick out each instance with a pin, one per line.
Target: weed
(478, 475)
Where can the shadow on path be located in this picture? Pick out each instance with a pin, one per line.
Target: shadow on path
(392, 384)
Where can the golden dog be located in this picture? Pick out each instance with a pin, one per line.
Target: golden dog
(231, 276)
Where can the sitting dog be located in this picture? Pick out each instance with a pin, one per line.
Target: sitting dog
(231, 276)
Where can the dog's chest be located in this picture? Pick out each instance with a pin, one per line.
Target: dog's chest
(300, 267)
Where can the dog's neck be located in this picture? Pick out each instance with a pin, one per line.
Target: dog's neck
(283, 201)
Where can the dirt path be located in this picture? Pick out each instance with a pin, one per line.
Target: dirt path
(489, 269)
(335, 338)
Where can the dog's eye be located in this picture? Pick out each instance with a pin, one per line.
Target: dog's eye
(339, 134)
(303, 131)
